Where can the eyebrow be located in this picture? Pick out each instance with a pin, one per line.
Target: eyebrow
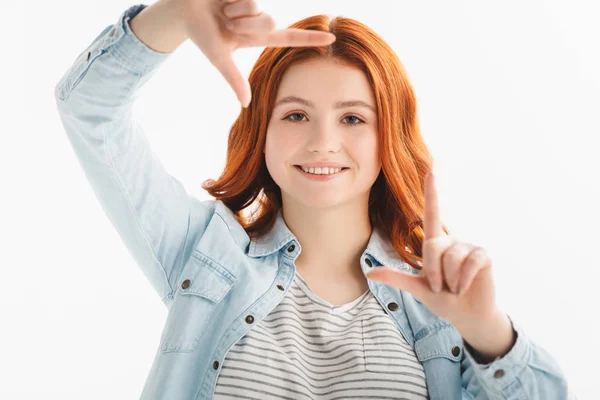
(339, 104)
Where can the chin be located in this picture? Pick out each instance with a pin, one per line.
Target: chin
(318, 200)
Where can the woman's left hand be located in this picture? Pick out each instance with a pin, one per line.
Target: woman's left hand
(461, 270)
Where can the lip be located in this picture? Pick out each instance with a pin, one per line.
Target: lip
(321, 164)
(321, 178)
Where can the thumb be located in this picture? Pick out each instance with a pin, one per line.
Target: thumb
(234, 77)
(416, 285)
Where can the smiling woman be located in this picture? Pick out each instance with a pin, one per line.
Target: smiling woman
(298, 117)
(277, 304)
(331, 133)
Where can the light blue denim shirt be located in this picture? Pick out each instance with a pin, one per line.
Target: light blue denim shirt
(211, 275)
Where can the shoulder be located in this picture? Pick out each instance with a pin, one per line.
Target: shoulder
(220, 229)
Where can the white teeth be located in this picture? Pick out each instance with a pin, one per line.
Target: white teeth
(321, 171)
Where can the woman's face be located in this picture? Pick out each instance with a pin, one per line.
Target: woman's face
(313, 127)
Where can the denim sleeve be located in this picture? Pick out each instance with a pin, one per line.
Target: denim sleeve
(527, 371)
(156, 219)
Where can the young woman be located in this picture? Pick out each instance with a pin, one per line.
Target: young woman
(342, 282)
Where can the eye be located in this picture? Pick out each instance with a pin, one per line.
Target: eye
(359, 121)
(287, 118)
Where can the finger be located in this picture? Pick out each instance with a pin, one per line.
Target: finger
(260, 24)
(281, 41)
(477, 260)
(234, 77)
(432, 224)
(241, 8)
(433, 249)
(263, 25)
(293, 37)
(416, 285)
(452, 263)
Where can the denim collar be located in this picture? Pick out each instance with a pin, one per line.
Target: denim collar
(279, 237)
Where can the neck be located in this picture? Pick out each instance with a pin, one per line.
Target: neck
(332, 238)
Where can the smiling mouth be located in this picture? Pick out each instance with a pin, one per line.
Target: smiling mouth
(301, 170)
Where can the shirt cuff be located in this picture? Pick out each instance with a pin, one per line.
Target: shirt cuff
(502, 371)
(131, 52)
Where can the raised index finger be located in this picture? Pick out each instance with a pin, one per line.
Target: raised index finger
(294, 37)
(432, 225)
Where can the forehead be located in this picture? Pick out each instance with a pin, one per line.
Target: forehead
(323, 80)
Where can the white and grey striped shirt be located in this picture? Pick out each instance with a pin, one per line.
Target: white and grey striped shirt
(307, 348)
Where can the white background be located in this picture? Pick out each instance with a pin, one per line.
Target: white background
(509, 105)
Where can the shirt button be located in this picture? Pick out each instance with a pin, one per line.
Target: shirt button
(393, 306)
(291, 248)
(499, 373)
(185, 284)
(368, 262)
(215, 365)
(88, 57)
(280, 287)
(249, 319)
(455, 351)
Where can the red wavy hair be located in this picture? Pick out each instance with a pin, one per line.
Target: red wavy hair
(396, 200)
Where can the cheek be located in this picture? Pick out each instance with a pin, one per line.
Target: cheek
(368, 140)
(365, 150)
(282, 146)
(278, 152)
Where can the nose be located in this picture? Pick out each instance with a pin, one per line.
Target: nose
(324, 138)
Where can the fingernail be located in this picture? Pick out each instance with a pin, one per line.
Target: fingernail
(229, 25)
(436, 287)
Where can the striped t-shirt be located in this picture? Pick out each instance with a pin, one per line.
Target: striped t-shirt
(307, 348)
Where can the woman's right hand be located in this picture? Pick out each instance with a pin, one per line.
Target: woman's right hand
(205, 24)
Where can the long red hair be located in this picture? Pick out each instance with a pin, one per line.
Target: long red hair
(396, 200)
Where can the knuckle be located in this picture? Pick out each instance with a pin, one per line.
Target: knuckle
(269, 22)
(479, 254)
(230, 10)
(241, 9)
(453, 254)
(252, 7)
